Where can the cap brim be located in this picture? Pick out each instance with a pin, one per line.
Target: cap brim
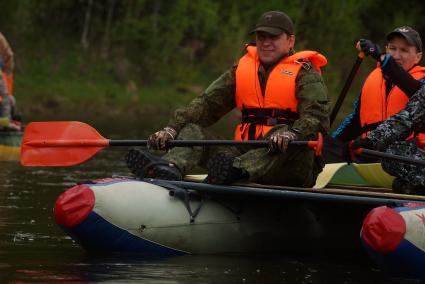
(393, 34)
(269, 30)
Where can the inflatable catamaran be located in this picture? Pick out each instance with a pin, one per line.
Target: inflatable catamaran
(10, 144)
(176, 217)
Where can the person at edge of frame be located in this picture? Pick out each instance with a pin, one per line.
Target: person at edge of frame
(282, 98)
(390, 136)
(385, 92)
(9, 119)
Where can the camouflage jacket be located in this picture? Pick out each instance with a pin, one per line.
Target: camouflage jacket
(399, 126)
(219, 99)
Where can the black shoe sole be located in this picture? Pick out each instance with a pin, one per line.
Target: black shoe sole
(219, 169)
(145, 165)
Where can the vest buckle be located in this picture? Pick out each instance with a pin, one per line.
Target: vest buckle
(271, 121)
(305, 65)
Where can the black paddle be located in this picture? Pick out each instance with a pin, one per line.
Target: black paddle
(346, 87)
(388, 156)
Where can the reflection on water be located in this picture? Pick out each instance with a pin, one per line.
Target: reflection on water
(33, 249)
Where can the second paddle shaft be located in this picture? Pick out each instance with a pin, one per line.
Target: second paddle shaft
(316, 145)
(373, 153)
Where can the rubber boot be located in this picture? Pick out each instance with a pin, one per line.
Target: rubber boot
(146, 165)
(404, 187)
(222, 171)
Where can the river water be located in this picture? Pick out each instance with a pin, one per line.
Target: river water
(34, 250)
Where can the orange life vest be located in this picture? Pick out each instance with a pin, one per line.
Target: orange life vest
(8, 80)
(3, 76)
(279, 94)
(376, 106)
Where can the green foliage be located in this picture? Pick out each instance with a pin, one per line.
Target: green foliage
(151, 43)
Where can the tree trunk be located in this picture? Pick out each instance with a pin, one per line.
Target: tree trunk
(84, 36)
(156, 8)
(106, 34)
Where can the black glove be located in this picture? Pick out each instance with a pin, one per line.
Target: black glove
(362, 143)
(348, 151)
(370, 48)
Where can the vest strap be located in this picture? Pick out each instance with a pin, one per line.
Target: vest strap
(268, 116)
(252, 131)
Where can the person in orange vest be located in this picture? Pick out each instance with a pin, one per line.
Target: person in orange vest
(7, 101)
(281, 96)
(7, 63)
(386, 90)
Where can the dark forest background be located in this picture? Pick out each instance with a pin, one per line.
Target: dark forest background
(133, 54)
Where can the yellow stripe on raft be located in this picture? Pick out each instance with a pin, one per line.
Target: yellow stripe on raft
(323, 179)
(374, 174)
(370, 175)
(195, 178)
(9, 153)
(328, 172)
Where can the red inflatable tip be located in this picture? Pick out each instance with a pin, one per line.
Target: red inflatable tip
(383, 229)
(74, 205)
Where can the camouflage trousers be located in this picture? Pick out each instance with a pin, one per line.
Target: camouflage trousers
(298, 166)
(414, 174)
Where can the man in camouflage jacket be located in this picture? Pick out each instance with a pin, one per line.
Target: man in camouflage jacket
(391, 135)
(296, 166)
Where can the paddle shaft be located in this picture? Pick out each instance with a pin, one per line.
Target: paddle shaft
(172, 143)
(346, 87)
(67, 143)
(191, 143)
(373, 153)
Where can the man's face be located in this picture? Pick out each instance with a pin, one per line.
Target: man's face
(403, 53)
(271, 48)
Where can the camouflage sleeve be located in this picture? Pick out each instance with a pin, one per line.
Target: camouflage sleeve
(401, 125)
(4, 101)
(313, 103)
(3, 89)
(6, 55)
(399, 77)
(206, 109)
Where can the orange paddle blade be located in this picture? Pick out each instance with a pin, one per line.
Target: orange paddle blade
(60, 143)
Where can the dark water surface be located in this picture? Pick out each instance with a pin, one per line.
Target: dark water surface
(34, 250)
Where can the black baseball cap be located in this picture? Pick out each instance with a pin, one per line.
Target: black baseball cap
(274, 23)
(409, 34)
